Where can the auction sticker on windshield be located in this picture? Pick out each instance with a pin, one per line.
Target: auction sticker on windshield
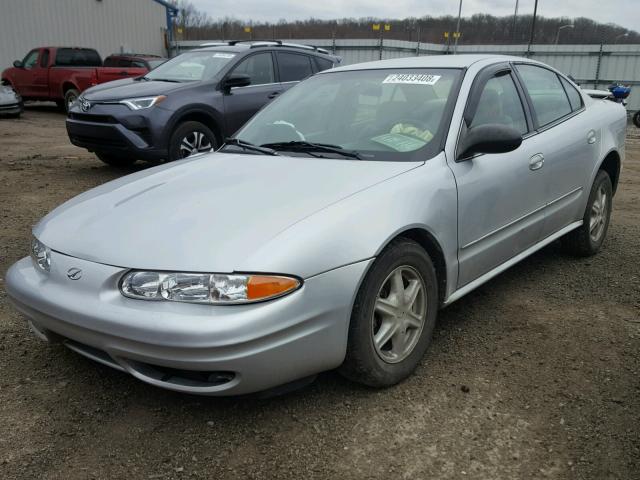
(412, 78)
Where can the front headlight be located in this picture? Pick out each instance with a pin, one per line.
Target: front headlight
(40, 254)
(215, 289)
(140, 103)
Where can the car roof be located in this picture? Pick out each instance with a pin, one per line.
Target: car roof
(431, 61)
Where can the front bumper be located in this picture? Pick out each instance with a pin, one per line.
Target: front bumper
(11, 108)
(202, 349)
(116, 129)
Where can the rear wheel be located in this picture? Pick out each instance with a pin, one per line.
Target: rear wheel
(191, 138)
(393, 316)
(587, 240)
(70, 96)
(115, 160)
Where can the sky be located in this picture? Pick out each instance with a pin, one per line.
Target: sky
(622, 12)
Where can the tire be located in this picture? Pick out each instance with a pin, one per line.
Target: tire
(62, 105)
(70, 96)
(376, 366)
(636, 119)
(587, 240)
(190, 138)
(115, 160)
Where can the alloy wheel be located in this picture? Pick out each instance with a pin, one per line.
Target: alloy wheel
(399, 315)
(194, 142)
(598, 218)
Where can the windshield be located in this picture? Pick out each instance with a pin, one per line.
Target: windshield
(390, 115)
(155, 63)
(191, 66)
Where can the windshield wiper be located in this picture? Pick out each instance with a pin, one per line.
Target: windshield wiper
(249, 146)
(164, 80)
(304, 146)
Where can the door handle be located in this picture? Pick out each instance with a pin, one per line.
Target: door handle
(591, 137)
(536, 162)
(273, 95)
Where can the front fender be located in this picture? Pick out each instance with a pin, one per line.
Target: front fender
(361, 225)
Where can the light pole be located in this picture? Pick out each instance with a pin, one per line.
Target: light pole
(457, 32)
(601, 52)
(515, 19)
(570, 25)
(533, 28)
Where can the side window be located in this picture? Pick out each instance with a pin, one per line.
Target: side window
(549, 99)
(323, 64)
(44, 59)
(293, 67)
(31, 59)
(259, 67)
(139, 64)
(124, 63)
(500, 103)
(574, 97)
(109, 62)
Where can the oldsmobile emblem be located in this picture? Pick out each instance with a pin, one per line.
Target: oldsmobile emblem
(74, 273)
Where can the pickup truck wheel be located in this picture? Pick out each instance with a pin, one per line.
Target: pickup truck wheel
(70, 97)
(393, 316)
(191, 138)
(587, 240)
(115, 160)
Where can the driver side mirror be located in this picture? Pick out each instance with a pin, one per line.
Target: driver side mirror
(18, 64)
(489, 138)
(236, 80)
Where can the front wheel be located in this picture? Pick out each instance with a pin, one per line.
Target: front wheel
(191, 138)
(393, 316)
(587, 240)
(70, 97)
(636, 119)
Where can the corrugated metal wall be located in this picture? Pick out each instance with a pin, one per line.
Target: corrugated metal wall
(106, 25)
(620, 63)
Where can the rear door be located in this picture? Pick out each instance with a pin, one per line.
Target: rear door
(501, 198)
(568, 142)
(241, 103)
(293, 67)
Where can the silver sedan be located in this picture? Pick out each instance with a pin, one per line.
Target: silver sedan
(329, 231)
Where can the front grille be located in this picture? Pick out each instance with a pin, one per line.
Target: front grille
(86, 117)
(100, 141)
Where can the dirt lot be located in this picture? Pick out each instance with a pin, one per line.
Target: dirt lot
(535, 375)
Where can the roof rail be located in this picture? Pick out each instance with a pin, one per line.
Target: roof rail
(278, 43)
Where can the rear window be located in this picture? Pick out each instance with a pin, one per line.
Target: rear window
(323, 64)
(574, 97)
(294, 67)
(78, 57)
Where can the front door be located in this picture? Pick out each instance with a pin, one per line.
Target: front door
(501, 197)
(241, 103)
(24, 77)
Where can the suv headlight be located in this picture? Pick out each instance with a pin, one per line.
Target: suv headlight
(41, 254)
(145, 102)
(209, 288)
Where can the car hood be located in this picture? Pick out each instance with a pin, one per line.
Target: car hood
(130, 88)
(206, 214)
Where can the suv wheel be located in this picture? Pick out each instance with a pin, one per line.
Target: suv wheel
(115, 160)
(191, 138)
(393, 316)
(70, 97)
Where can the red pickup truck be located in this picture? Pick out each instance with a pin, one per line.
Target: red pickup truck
(60, 74)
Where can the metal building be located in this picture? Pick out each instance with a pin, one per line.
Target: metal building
(109, 26)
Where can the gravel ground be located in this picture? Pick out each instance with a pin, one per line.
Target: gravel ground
(534, 375)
